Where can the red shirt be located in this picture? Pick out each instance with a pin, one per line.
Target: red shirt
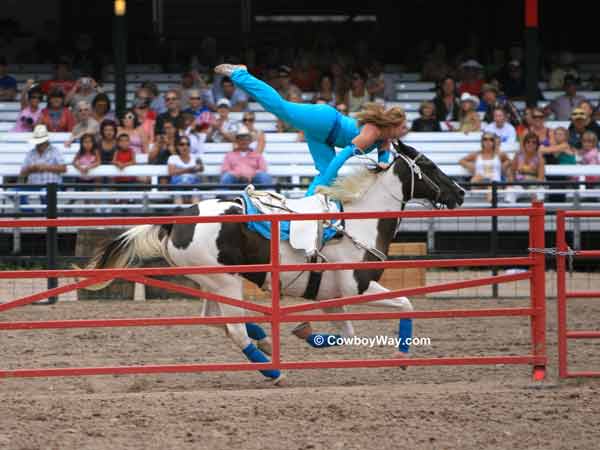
(64, 85)
(124, 156)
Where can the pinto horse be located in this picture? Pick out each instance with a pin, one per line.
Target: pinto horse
(411, 176)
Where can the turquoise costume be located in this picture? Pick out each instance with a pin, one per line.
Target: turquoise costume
(323, 126)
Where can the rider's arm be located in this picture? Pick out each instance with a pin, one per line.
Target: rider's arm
(383, 152)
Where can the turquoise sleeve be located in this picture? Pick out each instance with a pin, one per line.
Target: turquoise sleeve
(337, 162)
(384, 156)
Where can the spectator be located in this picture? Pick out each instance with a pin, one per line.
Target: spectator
(340, 81)
(305, 75)
(447, 104)
(87, 158)
(101, 108)
(562, 106)
(61, 80)
(146, 117)
(8, 84)
(358, 95)
(502, 128)
(223, 130)
(85, 89)
(193, 81)
(56, 116)
(514, 86)
(43, 164)
(427, 120)
(238, 99)
(242, 165)
(86, 124)
(491, 100)
(470, 122)
(525, 124)
(488, 164)
(108, 141)
(376, 82)
(544, 134)
(198, 133)
(31, 111)
(472, 77)
(188, 82)
(157, 102)
(166, 144)
(468, 103)
(325, 91)
(258, 136)
(528, 165)
(561, 150)
(580, 123)
(564, 67)
(183, 167)
(124, 157)
(196, 103)
(130, 125)
(284, 83)
(173, 112)
(589, 152)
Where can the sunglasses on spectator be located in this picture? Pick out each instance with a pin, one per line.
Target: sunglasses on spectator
(184, 144)
(488, 139)
(538, 116)
(130, 116)
(195, 98)
(531, 141)
(170, 99)
(35, 97)
(248, 119)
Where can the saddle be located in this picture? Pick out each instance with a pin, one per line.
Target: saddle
(305, 235)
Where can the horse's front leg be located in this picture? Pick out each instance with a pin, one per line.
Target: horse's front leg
(405, 326)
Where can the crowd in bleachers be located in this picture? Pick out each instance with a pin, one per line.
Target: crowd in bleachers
(171, 124)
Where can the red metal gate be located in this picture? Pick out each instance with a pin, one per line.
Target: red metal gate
(563, 295)
(277, 314)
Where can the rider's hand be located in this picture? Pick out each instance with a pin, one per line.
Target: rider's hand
(383, 165)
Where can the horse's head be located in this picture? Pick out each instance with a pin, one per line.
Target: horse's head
(422, 179)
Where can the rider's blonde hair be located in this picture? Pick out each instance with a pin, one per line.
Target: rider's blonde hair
(376, 114)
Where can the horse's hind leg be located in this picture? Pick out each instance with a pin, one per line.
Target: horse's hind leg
(305, 332)
(231, 286)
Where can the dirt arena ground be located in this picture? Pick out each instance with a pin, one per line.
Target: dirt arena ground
(419, 408)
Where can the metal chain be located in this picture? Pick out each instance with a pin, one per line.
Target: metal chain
(553, 251)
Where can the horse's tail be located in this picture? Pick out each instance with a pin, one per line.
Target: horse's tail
(138, 243)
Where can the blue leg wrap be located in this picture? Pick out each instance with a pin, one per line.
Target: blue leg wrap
(405, 330)
(255, 331)
(255, 355)
(322, 340)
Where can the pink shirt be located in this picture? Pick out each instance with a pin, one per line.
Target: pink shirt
(22, 125)
(244, 164)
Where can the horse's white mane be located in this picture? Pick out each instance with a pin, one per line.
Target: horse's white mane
(351, 187)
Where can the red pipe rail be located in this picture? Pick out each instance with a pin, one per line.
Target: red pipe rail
(563, 294)
(276, 314)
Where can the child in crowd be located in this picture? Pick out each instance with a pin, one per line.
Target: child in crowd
(427, 121)
(589, 152)
(87, 158)
(124, 157)
(561, 148)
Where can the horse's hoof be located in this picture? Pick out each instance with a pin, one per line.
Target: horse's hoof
(265, 345)
(400, 355)
(302, 331)
(279, 381)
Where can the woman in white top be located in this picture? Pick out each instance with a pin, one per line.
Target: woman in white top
(183, 168)
(487, 164)
(357, 95)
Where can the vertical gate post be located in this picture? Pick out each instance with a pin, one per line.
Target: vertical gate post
(538, 288)
(275, 295)
(561, 293)
(51, 236)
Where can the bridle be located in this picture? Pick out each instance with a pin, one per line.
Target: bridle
(417, 173)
